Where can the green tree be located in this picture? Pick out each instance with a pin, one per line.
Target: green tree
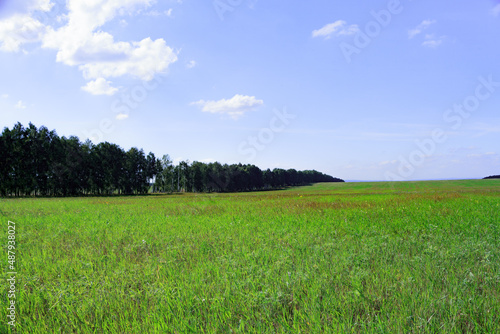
(136, 167)
(165, 176)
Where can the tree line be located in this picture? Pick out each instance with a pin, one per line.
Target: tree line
(37, 162)
(492, 177)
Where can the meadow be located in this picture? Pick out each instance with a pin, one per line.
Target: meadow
(405, 257)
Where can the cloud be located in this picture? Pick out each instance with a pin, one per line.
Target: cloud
(191, 64)
(100, 87)
(4, 96)
(102, 57)
(481, 155)
(121, 117)
(337, 28)
(18, 25)
(420, 28)
(235, 107)
(433, 42)
(496, 10)
(20, 105)
(80, 41)
(19, 29)
(97, 55)
(430, 40)
(156, 13)
(482, 129)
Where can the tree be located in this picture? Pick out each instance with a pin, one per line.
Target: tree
(165, 177)
(110, 169)
(5, 162)
(39, 162)
(136, 170)
(184, 181)
(198, 170)
(151, 168)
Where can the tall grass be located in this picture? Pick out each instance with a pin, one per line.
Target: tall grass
(415, 257)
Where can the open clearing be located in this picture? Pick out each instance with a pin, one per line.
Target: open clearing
(409, 257)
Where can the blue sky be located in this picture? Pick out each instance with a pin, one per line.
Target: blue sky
(378, 90)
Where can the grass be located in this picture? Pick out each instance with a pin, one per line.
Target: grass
(409, 257)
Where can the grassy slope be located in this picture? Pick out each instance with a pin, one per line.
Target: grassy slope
(362, 257)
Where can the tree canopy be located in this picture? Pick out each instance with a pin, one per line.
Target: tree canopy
(37, 162)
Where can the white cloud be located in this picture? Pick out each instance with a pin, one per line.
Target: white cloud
(121, 117)
(100, 86)
(337, 28)
(430, 40)
(96, 53)
(156, 13)
(17, 25)
(482, 129)
(20, 105)
(433, 42)
(4, 96)
(19, 29)
(496, 10)
(153, 13)
(81, 42)
(191, 64)
(235, 107)
(102, 57)
(86, 16)
(420, 28)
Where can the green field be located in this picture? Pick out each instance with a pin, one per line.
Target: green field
(410, 257)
